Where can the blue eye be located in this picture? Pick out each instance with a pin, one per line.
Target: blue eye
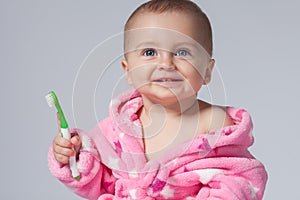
(182, 53)
(149, 52)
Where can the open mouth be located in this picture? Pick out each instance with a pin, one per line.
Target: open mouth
(162, 80)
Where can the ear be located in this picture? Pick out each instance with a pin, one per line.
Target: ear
(126, 70)
(208, 71)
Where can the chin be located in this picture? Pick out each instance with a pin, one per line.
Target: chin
(163, 95)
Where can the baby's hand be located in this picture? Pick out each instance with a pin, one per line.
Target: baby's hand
(63, 148)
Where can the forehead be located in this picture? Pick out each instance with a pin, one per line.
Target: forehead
(165, 29)
(178, 21)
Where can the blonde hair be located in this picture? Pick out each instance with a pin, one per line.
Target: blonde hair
(186, 6)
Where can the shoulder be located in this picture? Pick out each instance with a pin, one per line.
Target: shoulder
(214, 117)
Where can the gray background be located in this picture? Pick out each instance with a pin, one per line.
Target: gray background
(43, 43)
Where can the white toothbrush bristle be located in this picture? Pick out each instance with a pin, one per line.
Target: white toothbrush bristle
(50, 100)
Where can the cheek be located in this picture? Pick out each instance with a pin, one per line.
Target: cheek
(194, 79)
(192, 67)
(139, 76)
(198, 66)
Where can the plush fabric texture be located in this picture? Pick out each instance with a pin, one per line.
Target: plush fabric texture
(213, 166)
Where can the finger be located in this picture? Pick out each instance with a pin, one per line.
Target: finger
(63, 142)
(76, 141)
(63, 151)
(61, 159)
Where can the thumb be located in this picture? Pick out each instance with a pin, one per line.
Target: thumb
(76, 141)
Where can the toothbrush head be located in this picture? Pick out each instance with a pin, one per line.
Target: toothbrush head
(51, 99)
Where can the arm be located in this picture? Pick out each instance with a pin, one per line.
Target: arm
(239, 179)
(95, 177)
(227, 171)
(240, 175)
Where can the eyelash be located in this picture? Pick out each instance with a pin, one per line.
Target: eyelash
(154, 52)
(183, 50)
(148, 50)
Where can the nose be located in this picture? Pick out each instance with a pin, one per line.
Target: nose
(166, 61)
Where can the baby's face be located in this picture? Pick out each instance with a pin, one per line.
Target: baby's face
(163, 58)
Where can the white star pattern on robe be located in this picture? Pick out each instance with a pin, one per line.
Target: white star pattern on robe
(207, 174)
(132, 193)
(190, 198)
(133, 173)
(254, 190)
(121, 135)
(167, 192)
(113, 163)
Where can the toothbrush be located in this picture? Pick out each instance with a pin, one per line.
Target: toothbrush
(52, 101)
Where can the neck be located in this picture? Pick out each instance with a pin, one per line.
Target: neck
(174, 109)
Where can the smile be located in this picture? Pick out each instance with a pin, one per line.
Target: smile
(167, 80)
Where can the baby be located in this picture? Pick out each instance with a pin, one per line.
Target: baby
(160, 141)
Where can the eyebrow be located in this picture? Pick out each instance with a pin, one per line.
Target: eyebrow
(190, 44)
(145, 44)
(179, 44)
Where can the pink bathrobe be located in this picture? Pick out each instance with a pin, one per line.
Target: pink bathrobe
(113, 165)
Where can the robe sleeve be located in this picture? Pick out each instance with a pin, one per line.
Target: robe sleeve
(95, 178)
(234, 179)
